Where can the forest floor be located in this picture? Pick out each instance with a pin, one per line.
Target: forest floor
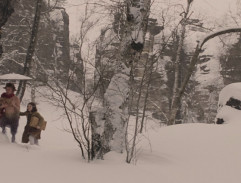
(188, 153)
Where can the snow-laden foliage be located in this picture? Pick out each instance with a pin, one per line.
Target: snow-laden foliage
(229, 91)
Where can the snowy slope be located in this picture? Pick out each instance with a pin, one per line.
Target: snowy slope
(190, 153)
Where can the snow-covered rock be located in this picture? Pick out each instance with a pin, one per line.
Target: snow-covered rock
(229, 104)
(230, 91)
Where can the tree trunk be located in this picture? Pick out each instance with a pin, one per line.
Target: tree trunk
(112, 118)
(31, 48)
(176, 85)
(33, 82)
(99, 76)
(6, 10)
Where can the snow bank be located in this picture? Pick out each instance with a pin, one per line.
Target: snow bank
(190, 153)
(229, 114)
(231, 90)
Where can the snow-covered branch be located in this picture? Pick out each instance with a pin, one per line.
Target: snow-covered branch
(219, 33)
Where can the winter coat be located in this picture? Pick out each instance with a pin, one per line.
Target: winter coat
(28, 130)
(12, 106)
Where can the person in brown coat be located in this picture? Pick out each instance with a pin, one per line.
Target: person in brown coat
(9, 110)
(31, 134)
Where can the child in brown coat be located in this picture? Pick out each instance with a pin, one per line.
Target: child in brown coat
(31, 134)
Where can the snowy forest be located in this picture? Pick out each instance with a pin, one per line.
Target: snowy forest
(130, 90)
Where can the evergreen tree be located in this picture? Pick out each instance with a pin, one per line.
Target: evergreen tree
(230, 64)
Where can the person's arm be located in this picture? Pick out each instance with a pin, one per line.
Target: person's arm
(3, 106)
(23, 113)
(3, 102)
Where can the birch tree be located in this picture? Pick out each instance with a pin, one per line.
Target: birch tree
(111, 119)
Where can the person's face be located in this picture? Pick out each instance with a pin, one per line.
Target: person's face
(29, 107)
(9, 90)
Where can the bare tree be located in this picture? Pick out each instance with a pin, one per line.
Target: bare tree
(77, 105)
(184, 23)
(113, 116)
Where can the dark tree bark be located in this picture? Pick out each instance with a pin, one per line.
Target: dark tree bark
(6, 10)
(31, 48)
(178, 60)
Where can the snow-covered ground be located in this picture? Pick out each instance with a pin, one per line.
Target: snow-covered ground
(190, 153)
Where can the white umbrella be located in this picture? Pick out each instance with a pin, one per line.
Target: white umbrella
(14, 76)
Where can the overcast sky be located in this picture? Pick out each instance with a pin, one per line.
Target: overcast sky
(210, 8)
(215, 8)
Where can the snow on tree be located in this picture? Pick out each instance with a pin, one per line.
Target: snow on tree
(31, 48)
(113, 116)
(192, 66)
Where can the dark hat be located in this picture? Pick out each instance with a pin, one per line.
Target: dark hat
(10, 85)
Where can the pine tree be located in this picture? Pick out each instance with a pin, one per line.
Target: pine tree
(230, 64)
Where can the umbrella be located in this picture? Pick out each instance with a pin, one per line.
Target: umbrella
(14, 76)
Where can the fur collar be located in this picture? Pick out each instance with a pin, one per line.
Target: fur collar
(5, 95)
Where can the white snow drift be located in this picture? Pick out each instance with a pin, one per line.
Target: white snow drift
(190, 153)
